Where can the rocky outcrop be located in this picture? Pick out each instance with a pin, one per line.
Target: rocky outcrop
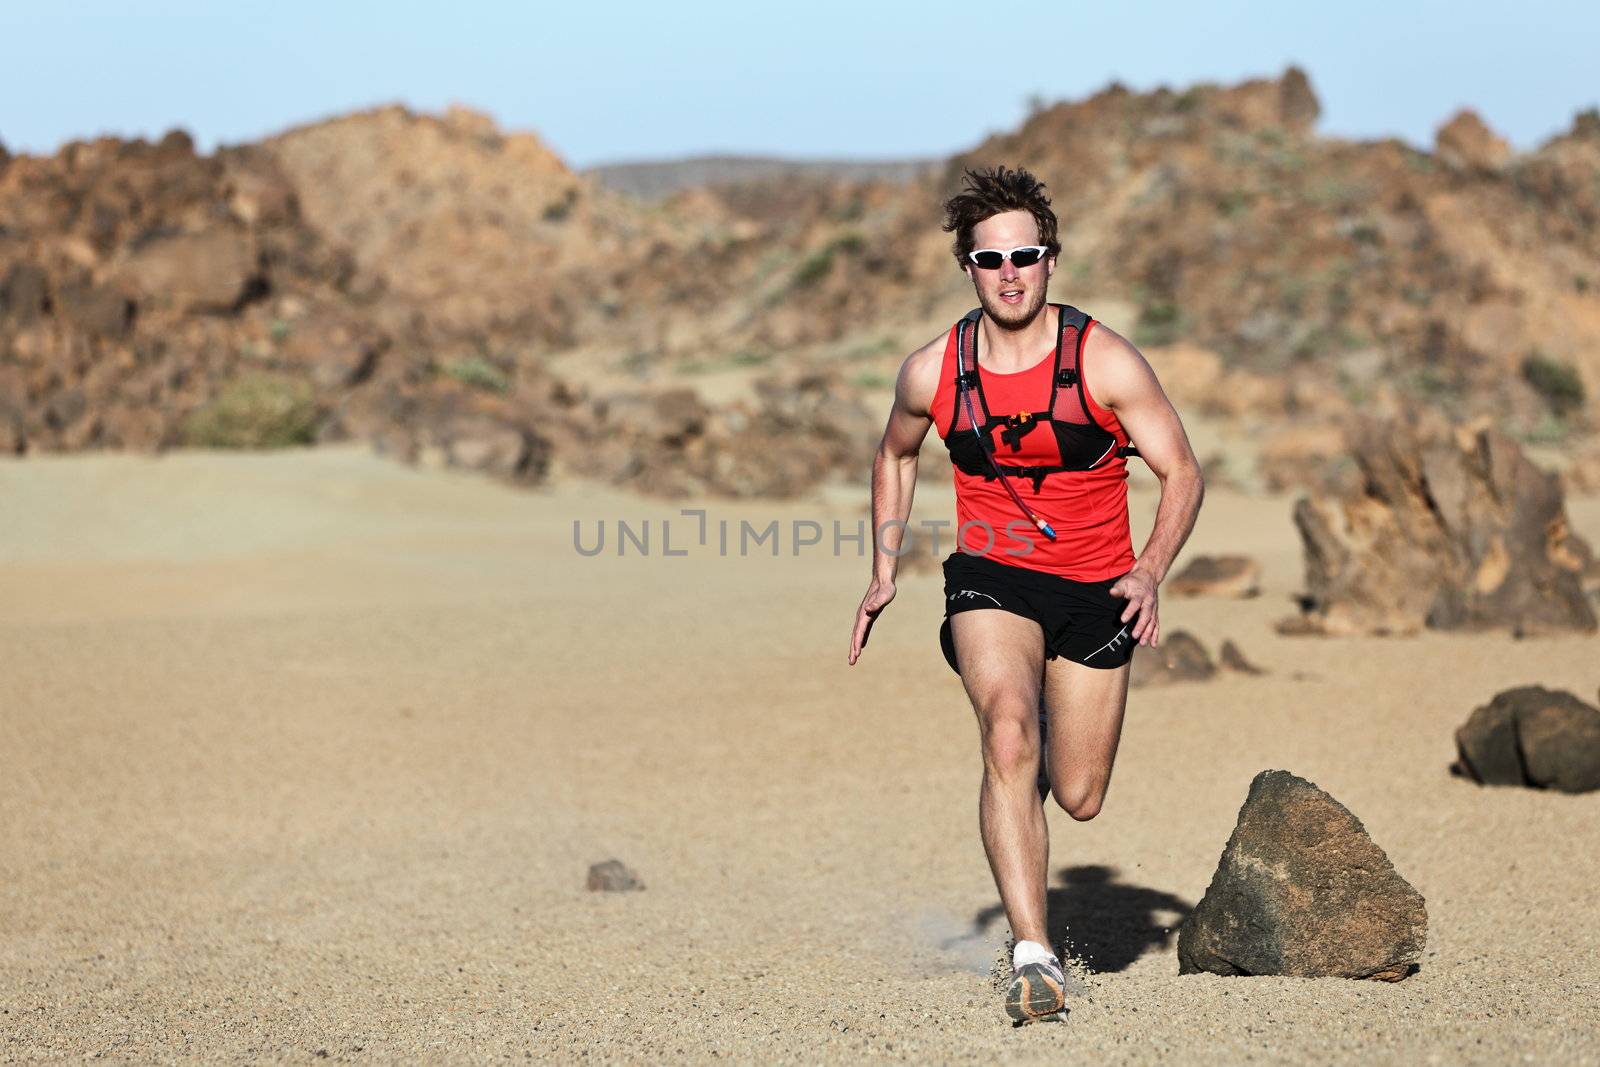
(137, 281)
(1303, 891)
(1271, 274)
(472, 223)
(1532, 736)
(1452, 530)
(802, 427)
(1466, 141)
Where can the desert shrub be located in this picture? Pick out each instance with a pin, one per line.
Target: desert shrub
(558, 210)
(254, 412)
(1235, 202)
(814, 268)
(478, 372)
(1556, 383)
(1160, 323)
(819, 264)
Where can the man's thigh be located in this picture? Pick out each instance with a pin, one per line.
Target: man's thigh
(1001, 655)
(1085, 707)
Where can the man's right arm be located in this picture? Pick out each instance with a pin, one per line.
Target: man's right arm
(894, 468)
(894, 479)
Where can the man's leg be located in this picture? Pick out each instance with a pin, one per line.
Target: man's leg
(1084, 707)
(1002, 659)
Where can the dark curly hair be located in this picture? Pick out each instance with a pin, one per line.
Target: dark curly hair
(989, 192)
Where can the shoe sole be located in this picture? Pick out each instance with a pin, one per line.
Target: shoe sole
(1035, 996)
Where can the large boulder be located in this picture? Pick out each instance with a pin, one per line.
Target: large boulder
(1452, 530)
(1302, 891)
(1532, 736)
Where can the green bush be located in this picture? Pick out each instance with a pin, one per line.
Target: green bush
(254, 412)
(819, 264)
(478, 372)
(1234, 202)
(1557, 383)
(1160, 323)
(814, 268)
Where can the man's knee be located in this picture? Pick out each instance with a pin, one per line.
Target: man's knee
(1010, 746)
(1081, 802)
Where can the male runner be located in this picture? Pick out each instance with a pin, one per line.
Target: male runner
(1056, 400)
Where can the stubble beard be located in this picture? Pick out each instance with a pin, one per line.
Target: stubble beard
(1014, 318)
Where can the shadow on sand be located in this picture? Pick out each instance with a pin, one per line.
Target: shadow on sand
(1105, 923)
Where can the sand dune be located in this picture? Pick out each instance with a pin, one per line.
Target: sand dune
(309, 753)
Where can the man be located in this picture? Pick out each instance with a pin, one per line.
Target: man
(1044, 599)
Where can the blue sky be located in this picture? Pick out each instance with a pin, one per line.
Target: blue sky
(613, 81)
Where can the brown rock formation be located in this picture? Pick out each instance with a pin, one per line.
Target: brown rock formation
(1466, 141)
(1449, 531)
(1273, 275)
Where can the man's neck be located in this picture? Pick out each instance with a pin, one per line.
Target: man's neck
(1017, 347)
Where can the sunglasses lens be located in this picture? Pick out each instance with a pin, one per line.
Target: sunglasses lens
(988, 260)
(1024, 257)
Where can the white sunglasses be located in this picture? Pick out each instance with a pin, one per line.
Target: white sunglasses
(991, 258)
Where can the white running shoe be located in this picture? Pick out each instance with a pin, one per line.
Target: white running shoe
(1038, 987)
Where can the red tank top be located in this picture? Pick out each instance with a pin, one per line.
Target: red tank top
(1087, 509)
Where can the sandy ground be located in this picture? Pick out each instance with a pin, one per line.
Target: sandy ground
(307, 754)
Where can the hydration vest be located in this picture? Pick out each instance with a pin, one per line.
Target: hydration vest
(1082, 443)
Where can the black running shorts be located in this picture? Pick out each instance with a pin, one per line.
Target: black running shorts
(1081, 621)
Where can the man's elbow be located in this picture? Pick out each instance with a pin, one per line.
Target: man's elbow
(1185, 472)
(893, 451)
(1196, 478)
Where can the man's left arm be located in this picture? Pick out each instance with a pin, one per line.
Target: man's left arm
(1123, 381)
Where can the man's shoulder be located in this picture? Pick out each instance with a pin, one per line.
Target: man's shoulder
(1112, 363)
(919, 374)
(1103, 339)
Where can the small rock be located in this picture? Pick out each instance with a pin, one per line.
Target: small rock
(1302, 891)
(1532, 736)
(1234, 660)
(1180, 658)
(1235, 576)
(612, 877)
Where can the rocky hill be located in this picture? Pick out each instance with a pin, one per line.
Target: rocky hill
(458, 295)
(654, 179)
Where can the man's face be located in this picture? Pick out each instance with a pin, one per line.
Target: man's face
(1011, 296)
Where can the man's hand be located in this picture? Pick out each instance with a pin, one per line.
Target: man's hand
(1139, 589)
(878, 596)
